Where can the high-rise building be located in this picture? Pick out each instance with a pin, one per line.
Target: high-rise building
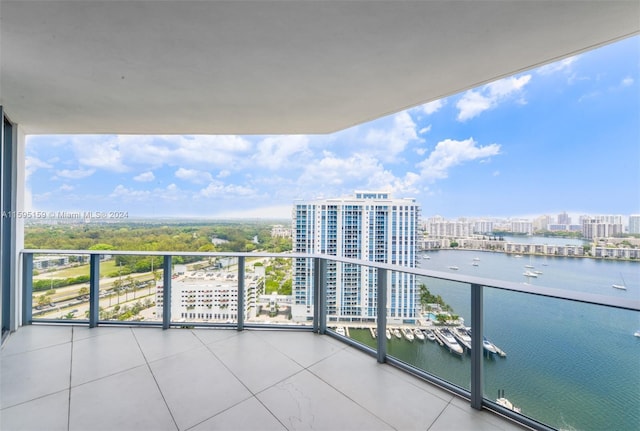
(564, 218)
(369, 226)
(601, 226)
(634, 223)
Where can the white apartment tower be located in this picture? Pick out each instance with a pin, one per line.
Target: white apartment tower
(369, 226)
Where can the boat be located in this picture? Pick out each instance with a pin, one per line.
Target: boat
(429, 334)
(622, 286)
(637, 333)
(476, 258)
(340, 331)
(502, 401)
(449, 340)
(387, 334)
(455, 268)
(408, 334)
(397, 333)
(488, 346)
(418, 334)
(463, 337)
(530, 274)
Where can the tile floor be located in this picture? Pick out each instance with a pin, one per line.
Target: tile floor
(121, 378)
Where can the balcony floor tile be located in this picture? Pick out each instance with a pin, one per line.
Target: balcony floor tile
(30, 375)
(52, 414)
(129, 400)
(196, 386)
(145, 378)
(305, 402)
(107, 354)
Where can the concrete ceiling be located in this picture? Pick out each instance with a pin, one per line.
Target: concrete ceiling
(272, 67)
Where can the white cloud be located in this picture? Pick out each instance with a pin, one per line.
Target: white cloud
(474, 102)
(433, 107)
(274, 152)
(387, 143)
(558, 66)
(66, 188)
(32, 164)
(75, 174)
(450, 153)
(627, 81)
(219, 189)
(95, 152)
(425, 130)
(223, 173)
(122, 192)
(193, 175)
(145, 177)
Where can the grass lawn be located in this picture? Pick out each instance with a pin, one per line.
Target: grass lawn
(106, 267)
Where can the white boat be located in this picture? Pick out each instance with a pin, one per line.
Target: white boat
(387, 333)
(507, 404)
(418, 334)
(488, 346)
(397, 333)
(455, 268)
(340, 331)
(530, 274)
(429, 334)
(637, 333)
(448, 339)
(476, 258)
(408, 334)
(463, 337)
(622, 286)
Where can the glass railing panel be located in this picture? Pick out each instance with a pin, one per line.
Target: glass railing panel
(60, 287)
(300, 307)
(436, 340)
(128, 288)
(569, 365)
(204, 290)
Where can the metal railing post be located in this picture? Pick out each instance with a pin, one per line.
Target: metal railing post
(166, 293)
(316, 294)
(27, 288)
(240, 293)
(322, 297)
(476, 346)
(382, 315)
(94, 290)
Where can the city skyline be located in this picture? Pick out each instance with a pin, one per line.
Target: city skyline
(560, 138)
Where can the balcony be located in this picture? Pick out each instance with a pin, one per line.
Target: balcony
(135, 378)
(105, 373)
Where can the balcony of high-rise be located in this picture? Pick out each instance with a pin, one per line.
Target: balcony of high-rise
(264, 68)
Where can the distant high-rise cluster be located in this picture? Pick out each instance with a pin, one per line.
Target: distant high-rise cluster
(369, 226)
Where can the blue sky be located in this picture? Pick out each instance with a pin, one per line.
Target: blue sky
(563, 137)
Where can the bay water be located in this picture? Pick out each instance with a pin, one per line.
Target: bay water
(569, 365)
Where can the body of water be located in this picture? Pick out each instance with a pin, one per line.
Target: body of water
(569, 365)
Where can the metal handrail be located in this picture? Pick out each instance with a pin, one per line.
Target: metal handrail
(477, 284)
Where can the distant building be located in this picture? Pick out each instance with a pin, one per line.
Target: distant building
(279, 231)
(369, 226)
(634, 223)
(564, 218)
(208, 299)
(601, 226)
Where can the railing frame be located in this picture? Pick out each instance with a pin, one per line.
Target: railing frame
(475, 395)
